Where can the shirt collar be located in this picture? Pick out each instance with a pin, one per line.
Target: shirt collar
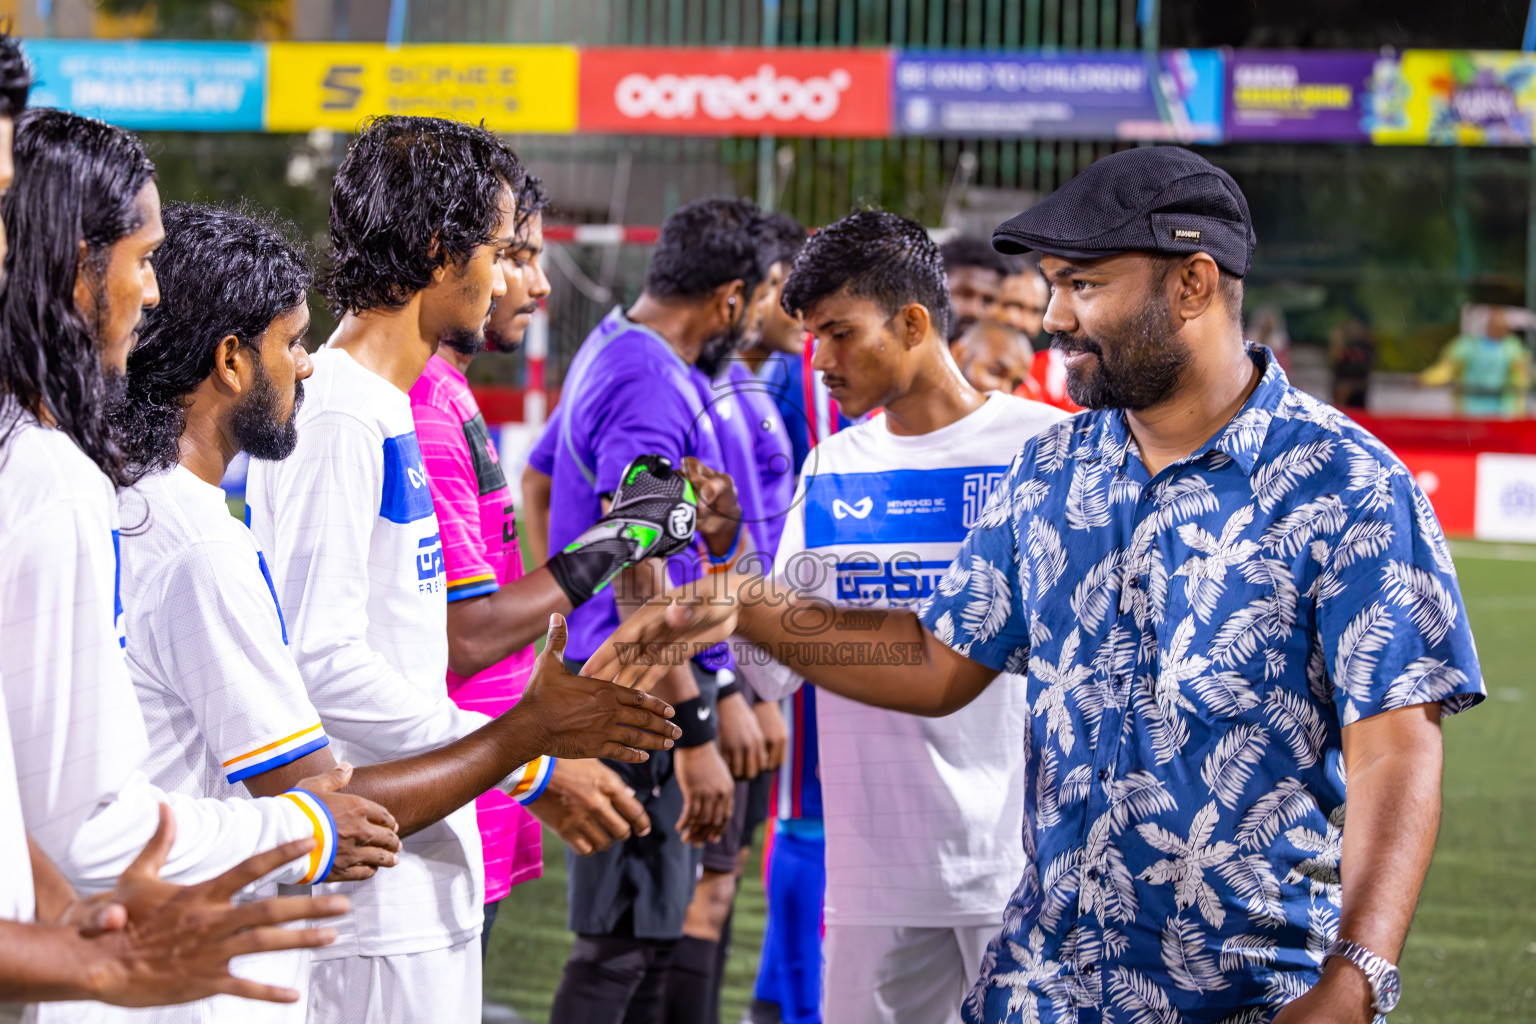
(1109, 439)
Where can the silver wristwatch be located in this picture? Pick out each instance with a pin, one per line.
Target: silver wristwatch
(1386, 984)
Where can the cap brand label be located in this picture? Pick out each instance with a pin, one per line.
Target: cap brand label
(1186, 235)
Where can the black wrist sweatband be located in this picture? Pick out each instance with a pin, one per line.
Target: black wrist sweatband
(582, 572)
(696, 718)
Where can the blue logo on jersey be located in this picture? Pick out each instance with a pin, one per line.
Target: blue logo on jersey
(406, 497)
(902, 579)
(429, 558)
(905, 506)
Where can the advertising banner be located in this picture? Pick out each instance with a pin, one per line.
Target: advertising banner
(1295, 96)
(1506, 497)
(336, 85)
(792, 91)
(1175, 96)
(152, 85)
(1458, 98)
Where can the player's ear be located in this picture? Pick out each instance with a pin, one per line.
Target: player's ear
(1195, 282)
(227, 359)
(913, 323)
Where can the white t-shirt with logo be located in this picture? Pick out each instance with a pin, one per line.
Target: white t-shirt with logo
(923, 815)
(347, 526)
(76, 729)
(17, 900)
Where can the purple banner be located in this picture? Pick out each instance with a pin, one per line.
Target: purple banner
(1289, 96)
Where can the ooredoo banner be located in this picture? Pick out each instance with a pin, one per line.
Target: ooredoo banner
(793, 91)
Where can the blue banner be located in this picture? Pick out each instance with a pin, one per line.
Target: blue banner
(1173, 96)
(153, 85)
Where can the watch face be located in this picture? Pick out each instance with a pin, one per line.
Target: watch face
(1390, 992)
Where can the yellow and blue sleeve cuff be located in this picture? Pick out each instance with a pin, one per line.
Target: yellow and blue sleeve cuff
(535, 780)
(472, 586)
(275, 754)
(323, 857)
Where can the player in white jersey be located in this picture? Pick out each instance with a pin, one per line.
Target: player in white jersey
(420, 212)
(147, 941)
(923, 815)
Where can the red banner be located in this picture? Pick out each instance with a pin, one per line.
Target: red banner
(794, 91)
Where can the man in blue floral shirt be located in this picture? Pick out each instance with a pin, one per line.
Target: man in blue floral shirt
(1226, 597)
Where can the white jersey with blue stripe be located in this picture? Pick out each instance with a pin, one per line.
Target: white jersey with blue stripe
(351, 539)
(923, 815)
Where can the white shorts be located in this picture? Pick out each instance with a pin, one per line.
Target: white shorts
(441, 986)
(889, 974)
(288, 969)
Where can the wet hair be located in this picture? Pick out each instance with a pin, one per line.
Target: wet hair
(532, 200)
(705, 244)
(412, 195)
(15, 76)
(969, 251)
(781, 237)
(874, 255)
(76, 178)
(223, 271)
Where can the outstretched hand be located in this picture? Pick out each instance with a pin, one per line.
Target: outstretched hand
(176, 941)
(646, 645)
(580, 716)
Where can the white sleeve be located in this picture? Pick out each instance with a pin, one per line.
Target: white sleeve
(319, 508)
(218, 642)
(773, 681)
(75, 724)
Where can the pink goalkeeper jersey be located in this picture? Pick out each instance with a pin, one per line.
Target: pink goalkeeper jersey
(480, 554)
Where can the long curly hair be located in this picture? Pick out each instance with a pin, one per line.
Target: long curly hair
(223, 271)
(76, 179)
(412, 195)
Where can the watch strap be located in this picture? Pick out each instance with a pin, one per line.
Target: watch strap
(1376, 968)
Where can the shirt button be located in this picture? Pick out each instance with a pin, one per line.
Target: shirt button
(1090, 969)
(1119, 681)
(1093, 874)
(1134, 583)
(1103, 774)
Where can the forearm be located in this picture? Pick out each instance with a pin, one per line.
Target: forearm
(874, 656)
(426, 788)
(485, 630)
(1389, 836)
(536, 489)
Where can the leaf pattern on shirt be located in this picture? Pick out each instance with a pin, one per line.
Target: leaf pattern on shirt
(1193, 644)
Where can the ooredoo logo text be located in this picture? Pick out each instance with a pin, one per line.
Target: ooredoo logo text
(761, 96)
(723, 91)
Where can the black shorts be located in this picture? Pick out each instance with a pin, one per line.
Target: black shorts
(651, 876)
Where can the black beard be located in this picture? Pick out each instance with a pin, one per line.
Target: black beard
(1144, 364)
(465, 343)
(715, 349)
(255, 423)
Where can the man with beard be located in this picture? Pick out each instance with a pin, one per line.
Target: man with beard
(974, 272)
(147, 942)
(492, 606)
(1226, 598)
(420, 212)
(632, 389)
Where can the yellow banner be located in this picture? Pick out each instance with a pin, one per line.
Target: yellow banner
(336, 85)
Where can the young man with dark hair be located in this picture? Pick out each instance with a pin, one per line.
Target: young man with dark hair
(81, 213)
(911, 805)
(974, 272)
(1227, 599)
(489, 606)
(632, 389)
(421, 210)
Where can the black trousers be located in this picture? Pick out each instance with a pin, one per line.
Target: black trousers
(614, 979)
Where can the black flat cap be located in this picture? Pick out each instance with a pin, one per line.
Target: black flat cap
(1159, 199)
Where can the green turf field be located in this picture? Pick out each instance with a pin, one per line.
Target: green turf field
(1472, 956)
